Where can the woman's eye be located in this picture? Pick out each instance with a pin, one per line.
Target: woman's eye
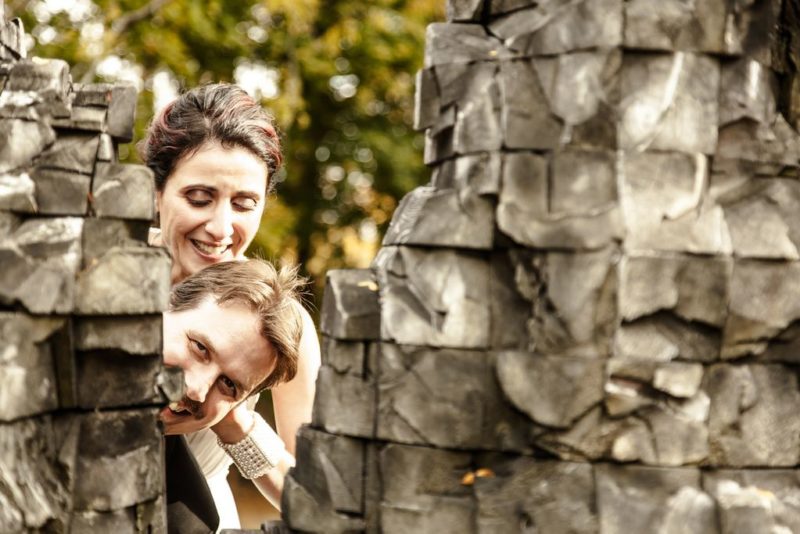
(198, 197)
(227, 386)
(245, 204)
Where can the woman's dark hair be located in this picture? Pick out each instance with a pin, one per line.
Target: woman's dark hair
(222, 113)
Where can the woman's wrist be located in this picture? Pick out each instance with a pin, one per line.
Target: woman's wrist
(258, 452)
(235, 426)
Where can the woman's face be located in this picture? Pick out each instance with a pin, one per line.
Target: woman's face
(211, 207)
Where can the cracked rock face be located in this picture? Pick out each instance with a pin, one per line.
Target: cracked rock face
(588, 320)
(81, 377)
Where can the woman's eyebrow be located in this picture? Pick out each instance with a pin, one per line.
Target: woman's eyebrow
(252, 194)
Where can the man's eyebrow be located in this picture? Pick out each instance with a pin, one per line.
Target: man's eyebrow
(241, 390)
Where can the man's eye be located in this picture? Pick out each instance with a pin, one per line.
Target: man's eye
(227, 386)
(199, 347)
(245, 204)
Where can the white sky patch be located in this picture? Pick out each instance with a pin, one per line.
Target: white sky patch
(76, 10)
(257, 79)
(92, 38)
(165, 89)
(344, 86)
(114, 68)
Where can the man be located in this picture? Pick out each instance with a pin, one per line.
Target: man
(234, 329)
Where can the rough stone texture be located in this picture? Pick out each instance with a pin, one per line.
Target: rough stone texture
(27, 381)
(80, 445)
(123, 191)
(643, 499)
(124, 281)
(588, 317)
(350, 308)
(435, 298)
(553, 497)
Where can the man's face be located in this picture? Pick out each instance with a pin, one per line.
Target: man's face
(223, 357)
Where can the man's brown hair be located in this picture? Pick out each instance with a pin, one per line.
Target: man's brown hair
(273, 296)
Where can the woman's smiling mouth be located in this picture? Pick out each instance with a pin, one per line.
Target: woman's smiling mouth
(209, 250)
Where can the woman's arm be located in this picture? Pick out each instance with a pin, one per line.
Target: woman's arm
(293, 400)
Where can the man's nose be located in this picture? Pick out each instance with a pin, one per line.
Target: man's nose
(198, 382)
(220, 225)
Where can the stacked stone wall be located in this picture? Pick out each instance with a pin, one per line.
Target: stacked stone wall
(81, 293)
(588, 320)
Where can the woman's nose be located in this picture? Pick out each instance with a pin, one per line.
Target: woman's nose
(220, 225)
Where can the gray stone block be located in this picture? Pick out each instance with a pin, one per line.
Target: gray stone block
(117, 521)
(498, 7)
(333, 469)
(12, 37)
(691, 287)
(464, 83)
(776, 142)
(426, 99)
(124, 281)
(510, 311)
(123, 191)
(134, 335)
(552, 497)
(478, 126)
(747, 90)
(760, 214)
(123, 446)
(679, 92)
(762, 305)
(675, 25)
(73, 152)
(464, 10)
(552, 391)
(574, 208)
(755, 500)
(120, 101)
(99, 375)
(449, 218)
(350, 309)
(664, 336)
(33, 456)
(753, 416)
(422, 491)
(646, 499)
(40, 262)
(573, 300)
(460, 43)
(101, 235)
(527, 120)
(17, 192)
(21, 141)
(84, 118)
(666, 206)
(436, 298)
(61, 193)
(106, 151)
(474, 174)
(553, 27)
(445, 398)
(302, 511)
(344, 403)
(347, 356)
(45, 76)
(589, 439)
(27, 374)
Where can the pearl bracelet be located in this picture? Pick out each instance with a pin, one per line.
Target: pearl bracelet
(258, 452)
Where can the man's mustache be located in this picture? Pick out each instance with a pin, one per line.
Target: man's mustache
(194, 407)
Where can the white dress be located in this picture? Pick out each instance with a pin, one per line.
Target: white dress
(215, 464)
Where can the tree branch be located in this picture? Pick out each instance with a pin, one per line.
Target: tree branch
(121, 24)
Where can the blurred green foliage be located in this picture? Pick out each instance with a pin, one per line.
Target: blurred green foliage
(338, 75)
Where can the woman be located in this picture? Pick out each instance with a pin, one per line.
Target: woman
(214, 152)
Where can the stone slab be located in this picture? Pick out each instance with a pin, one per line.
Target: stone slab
(350, 309)
(61, 193)
(123, 191)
